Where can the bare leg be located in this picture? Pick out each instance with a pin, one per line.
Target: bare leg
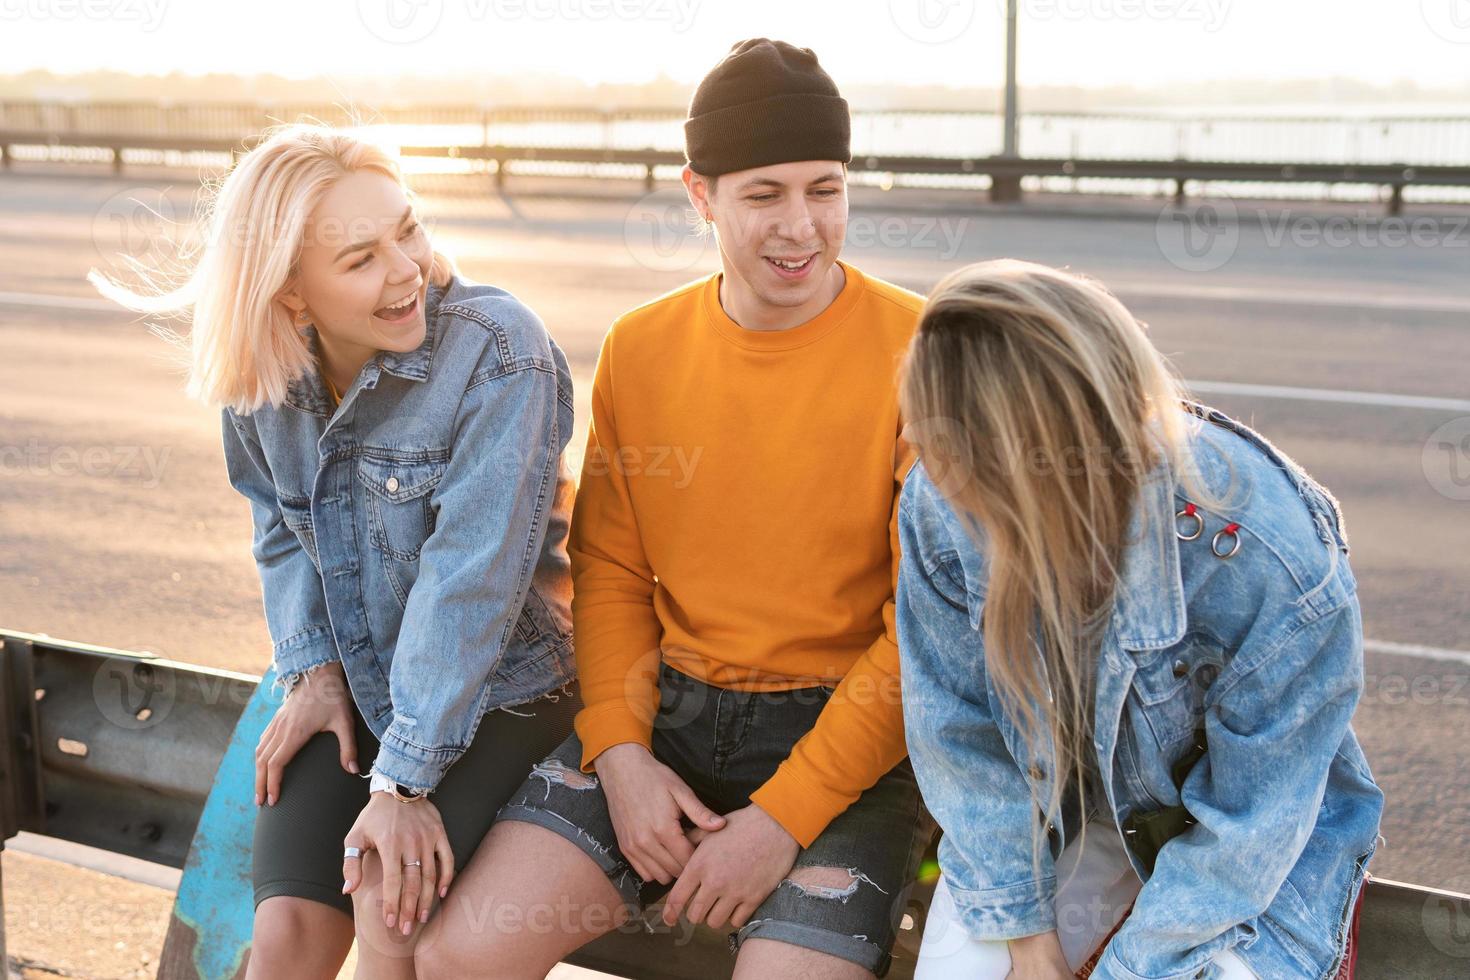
(761, 959)
(527, 899)
(298, 938)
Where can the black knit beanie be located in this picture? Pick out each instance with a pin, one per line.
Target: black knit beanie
(766, 102)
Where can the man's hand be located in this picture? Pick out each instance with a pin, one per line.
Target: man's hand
(646, 799)
(402, 832)
(732, 870)
(1039, 957)
(320, 702)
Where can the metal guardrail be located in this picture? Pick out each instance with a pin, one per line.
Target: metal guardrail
(1005, 173)
(1423, 139)
(118, 750)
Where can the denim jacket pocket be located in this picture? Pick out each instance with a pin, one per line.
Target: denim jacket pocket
(399, 514)
(1173, 683)
(536, 621)
(296, 515)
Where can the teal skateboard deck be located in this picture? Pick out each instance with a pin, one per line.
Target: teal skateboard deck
(209, 932)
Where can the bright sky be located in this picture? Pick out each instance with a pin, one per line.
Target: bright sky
(1087, 42)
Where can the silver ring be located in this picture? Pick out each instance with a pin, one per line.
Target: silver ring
(413, 864)
(1199, 524)
(1234, 544)
(351, 852)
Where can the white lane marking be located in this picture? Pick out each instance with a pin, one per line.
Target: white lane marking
(1290, 297)
(59, 302)
(1379, 399)
(1414, 650)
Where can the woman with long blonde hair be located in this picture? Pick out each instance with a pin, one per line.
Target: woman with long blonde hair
(1131, 650)
(398, 431)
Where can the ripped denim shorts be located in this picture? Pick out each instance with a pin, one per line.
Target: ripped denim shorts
(725, 744)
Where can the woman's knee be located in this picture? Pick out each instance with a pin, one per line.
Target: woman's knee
(947, 950)
(292, 932)
(374, 936)
(458, 942)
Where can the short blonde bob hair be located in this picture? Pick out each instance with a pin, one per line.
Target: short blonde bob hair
(243, 348)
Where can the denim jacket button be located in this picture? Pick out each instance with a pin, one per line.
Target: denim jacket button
(1180, 668)
(392, 484)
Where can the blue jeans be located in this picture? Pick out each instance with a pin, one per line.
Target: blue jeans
(725, 744)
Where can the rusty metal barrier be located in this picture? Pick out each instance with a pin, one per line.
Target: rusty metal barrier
(118, 750)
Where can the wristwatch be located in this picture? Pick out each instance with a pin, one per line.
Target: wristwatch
(382, 784)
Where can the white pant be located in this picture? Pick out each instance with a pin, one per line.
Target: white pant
(1095, 890)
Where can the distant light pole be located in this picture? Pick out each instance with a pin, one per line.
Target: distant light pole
(1010, 137)
(1007, 188)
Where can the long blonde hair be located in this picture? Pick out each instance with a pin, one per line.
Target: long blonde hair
(1039, 405)
(243, 348)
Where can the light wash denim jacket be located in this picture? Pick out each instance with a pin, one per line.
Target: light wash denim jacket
(1263, 649)
(418, 532)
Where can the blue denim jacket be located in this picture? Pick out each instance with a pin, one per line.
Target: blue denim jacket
(1263, 650)
(418, 532)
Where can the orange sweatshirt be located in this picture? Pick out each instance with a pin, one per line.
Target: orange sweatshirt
(737, 517)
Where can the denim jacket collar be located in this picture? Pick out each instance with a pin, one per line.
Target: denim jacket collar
(1149, 613)
(309, 394)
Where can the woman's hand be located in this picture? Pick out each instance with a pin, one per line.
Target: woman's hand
(1039, 957)
(402, 833)
(646, 799)
(320, 702)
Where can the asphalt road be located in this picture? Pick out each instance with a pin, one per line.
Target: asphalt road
(117, 525)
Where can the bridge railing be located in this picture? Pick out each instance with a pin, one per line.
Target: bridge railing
(1390, 153)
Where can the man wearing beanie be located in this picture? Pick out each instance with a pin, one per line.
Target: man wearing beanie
(741, 749)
